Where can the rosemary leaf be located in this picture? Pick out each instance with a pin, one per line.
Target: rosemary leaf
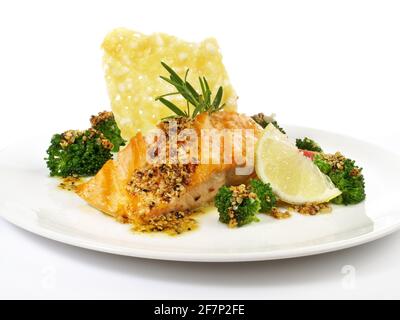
(202, 102)
(191, 90)
(173, 107)
(167, 94)
(174, 75)
(218, 98)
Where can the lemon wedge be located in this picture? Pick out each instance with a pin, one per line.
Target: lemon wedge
(293, 177)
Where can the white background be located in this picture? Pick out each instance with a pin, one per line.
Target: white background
(333, 65)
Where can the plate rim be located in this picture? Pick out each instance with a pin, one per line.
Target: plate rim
(202, 256)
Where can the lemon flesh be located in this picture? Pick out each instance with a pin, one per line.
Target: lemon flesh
(293, 177)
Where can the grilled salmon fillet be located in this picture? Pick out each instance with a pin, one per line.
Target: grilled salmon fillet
(131, 190)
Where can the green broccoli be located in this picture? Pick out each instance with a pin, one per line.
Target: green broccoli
(345, 175)
(264, 121)
(264, 193)
(105, 123)
(78, 153)
(237, 206)
(308, 144)
(322, 164)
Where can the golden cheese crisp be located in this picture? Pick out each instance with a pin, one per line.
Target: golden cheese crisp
(132, 63)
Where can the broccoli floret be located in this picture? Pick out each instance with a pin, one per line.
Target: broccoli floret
(237, 206)
(308, 144)
(264, 193)
(105, 123)
(351, 182)
(345, 175)
(78, 153)
(322, 164)
(264, 121)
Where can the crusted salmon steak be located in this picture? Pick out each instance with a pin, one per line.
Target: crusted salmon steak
(132, 189)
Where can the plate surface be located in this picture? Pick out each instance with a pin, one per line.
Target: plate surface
(32, 201)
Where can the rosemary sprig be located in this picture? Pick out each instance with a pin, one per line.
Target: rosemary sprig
(201, 102)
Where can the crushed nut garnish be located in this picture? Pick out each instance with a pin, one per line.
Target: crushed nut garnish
(160, 183)
(69, 183)
(185, 147)
(279, 214)
(104, 115)
(311, 209)
(173, 223)
(263, 119)
(355, 172)
(336, 160)
(239, 193)
(181, 124)
(69, 137)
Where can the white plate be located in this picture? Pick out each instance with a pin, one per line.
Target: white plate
(32, 201)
